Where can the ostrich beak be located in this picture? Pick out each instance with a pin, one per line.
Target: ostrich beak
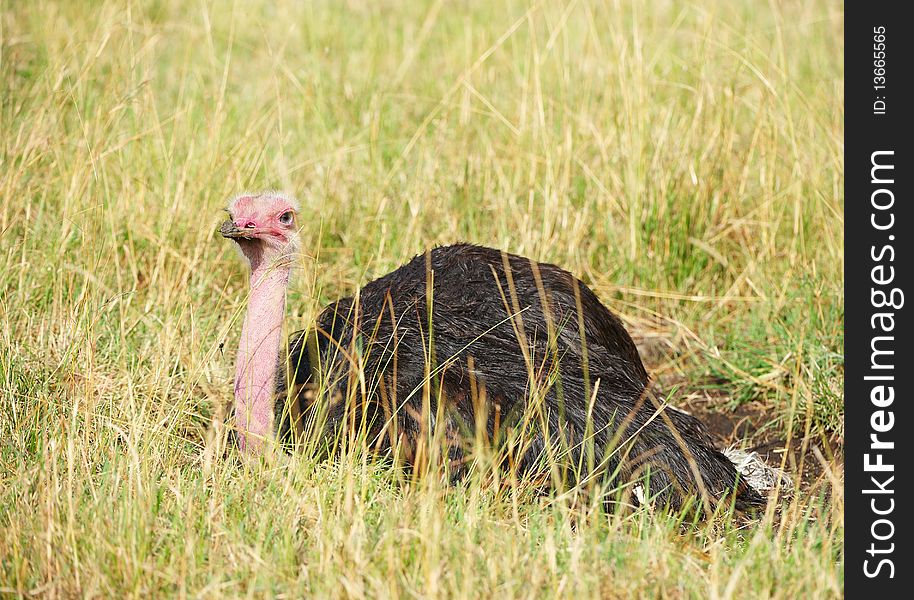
(231, 231)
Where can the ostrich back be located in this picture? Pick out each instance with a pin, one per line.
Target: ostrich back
(518, 351)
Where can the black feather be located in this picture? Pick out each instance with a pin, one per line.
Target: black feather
(595, 400)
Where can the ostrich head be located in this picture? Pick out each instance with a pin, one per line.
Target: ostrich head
(264, 228)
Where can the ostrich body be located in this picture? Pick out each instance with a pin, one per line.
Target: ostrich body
(511, 346)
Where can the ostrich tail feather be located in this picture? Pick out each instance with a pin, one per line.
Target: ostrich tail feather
(757, 473)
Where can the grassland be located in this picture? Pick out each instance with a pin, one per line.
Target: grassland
(685, 159)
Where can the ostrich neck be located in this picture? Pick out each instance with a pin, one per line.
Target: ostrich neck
(258, 356)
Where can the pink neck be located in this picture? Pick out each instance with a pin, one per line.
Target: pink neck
(258, 355)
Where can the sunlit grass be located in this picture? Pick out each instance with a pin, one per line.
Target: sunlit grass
(684, 159)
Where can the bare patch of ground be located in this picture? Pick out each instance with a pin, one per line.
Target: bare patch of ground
(815, 462)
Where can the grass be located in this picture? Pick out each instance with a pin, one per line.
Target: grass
(684, 159)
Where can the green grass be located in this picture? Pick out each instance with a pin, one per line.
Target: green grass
(684, 159)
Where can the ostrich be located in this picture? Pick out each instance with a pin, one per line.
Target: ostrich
(513, 350)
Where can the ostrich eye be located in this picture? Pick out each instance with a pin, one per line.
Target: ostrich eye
(286, 218)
